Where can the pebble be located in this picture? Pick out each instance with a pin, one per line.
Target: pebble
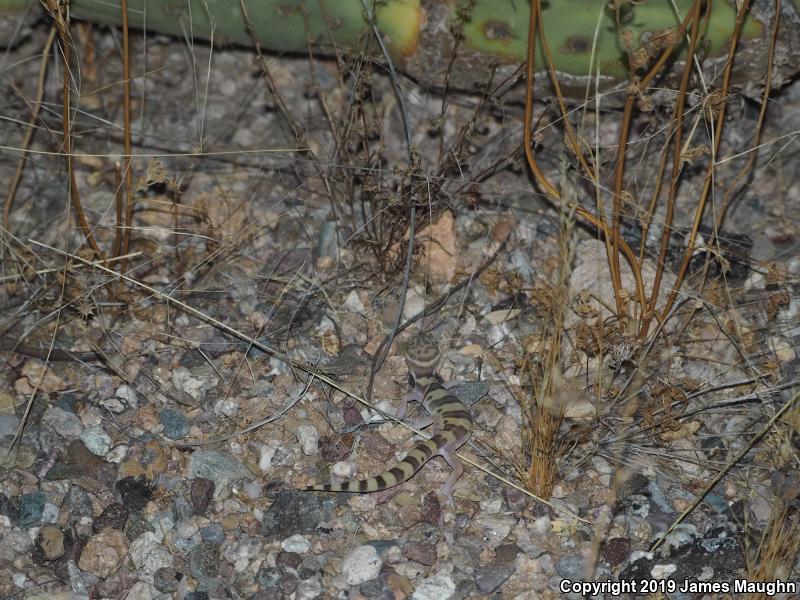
(213, 534)
(495, 528)
(616, 550)
(8, 425)
(96, 440)
(436, 587)
(143, 590)
(297, 544)
(344, 469)
(135, 492)
(226, 408)
(149, 556)
(490, 577)
(570, 567)
(296, 512)
(266, 453)
(422, 553)
(202, 492)
(175, 423)
(308, 436)
(361, 564)
(104, 553)
(166, 580)
(50, 542)
(219, 467)
(309, 589)
(128, 394)
(65, 423)
(31, 507)
(49, 513)
(114, 516)
(204, 562)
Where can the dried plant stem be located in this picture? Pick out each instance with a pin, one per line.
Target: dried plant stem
(28, 137)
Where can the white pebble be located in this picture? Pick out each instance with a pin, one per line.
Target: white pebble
(308, 436)
(127, 393)
(345, 469)
(361, 565)
(436, 587)
(266, 454)
(96, 440)
(226, 408)
(297, 544)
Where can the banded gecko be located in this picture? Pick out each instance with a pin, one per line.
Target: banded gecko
(451, 419)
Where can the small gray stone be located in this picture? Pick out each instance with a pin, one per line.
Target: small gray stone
(490, 577)
(96, 440)
(8, 425)
(63, 422)
(219, 467)
(213, 534)
(176, 426)
(570, 567)
(148, 555)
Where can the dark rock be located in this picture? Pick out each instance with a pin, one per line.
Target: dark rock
(516, 500)
(8, 508)
(166, 580)
(281, 579)
(176, 426)
(197, 596)
(490, 577)
(31, 507)
(135, 492)
(204, 562)
(115, 516)
(616, 550)
(425, 554)
(201, 495)
(136, 526)
(291, 560)
(506, 553)
(296, 512)
(716, 555)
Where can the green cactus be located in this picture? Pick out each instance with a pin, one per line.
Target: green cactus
(420, 33)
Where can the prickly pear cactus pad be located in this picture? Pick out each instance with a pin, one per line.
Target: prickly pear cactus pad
(488, 37)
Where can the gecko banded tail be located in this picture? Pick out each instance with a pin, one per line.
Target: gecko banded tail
(402, 471)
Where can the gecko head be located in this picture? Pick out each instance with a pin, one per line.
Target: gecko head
(422, 356)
